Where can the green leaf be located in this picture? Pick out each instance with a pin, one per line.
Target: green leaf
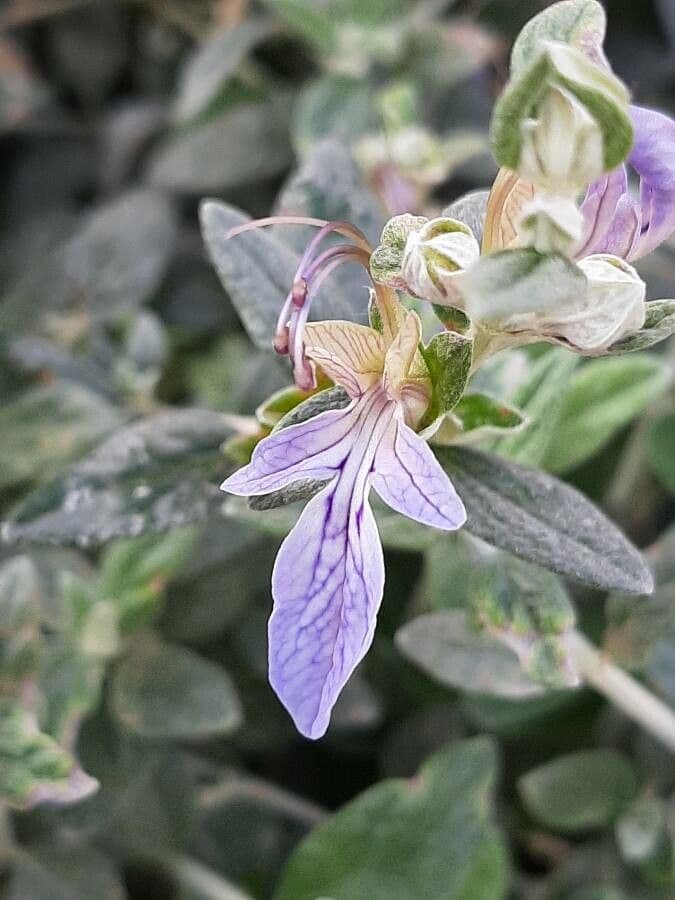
(456, 655)
(661, 450)
(333, 106)
(479, 411)
(245, 143)
(428, 837)
(113, 263)
(515, 282)
(47, 426)
(208, 70)
(313, 21)
(257, 271)
(448, 358)
(604, 396)
(541, 397)
(589, 789)
(56, 872)
(21, 597)
(134, 573)
(659, 325)
(161, 690)
(33, 768)
(542, 520)
(159, 473)
(581, 23)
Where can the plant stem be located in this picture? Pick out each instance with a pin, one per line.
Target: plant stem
(201, 881)
(621, 689)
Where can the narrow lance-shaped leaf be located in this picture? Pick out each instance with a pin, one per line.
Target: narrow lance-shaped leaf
(603, 396)
(542, 520)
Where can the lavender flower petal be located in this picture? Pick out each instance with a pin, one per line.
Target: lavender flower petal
(598, 210)
(409, 478)
(653, 158)
(311, 449)
(327, 584)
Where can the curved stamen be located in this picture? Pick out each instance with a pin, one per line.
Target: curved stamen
(315, 275)
(346, 229)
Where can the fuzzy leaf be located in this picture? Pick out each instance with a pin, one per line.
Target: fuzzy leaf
(541, 397)
(581, 23)
(160, 690)
(456, 655)
(582, 790)
(433, 838)
(33, 767)
(448, 358)
(603, 396)
(206, 157)
(159, 473)
(514, 282)
(659, 325)
(542, 520)
(208, 69)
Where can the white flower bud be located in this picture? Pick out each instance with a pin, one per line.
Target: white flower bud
(562, 148)
(550, 224)
(612, 307)
(434, 255)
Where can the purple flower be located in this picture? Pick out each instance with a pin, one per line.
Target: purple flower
(329, 575)
(616, 221)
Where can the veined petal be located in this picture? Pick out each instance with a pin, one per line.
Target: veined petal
(312, 449)
(409, 478)
(352, 355)
(401, 354)
(599, 208)
(327, 584)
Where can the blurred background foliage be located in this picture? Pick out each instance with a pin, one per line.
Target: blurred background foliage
(142, 753)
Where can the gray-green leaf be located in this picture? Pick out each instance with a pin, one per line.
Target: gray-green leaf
(542, 520)
(161, 690)
(456, 655)
(603, 396)
(589, 789)
(429, 837)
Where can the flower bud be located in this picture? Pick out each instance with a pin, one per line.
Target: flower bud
(550, 224)
(434, 255)
(562, 149)
(612, 307)
(562, 121)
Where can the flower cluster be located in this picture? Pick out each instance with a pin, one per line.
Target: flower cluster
(546, 256)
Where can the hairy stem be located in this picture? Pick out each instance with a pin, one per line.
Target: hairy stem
(621, 689)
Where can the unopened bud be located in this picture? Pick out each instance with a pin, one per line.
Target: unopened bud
(613, 307)
(433, 257)
(550, 224)
(562, 149)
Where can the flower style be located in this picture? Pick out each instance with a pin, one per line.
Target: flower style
(615, 221)
(328, 577)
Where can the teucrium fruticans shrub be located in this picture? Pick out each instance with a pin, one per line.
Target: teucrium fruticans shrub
(552, 267)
